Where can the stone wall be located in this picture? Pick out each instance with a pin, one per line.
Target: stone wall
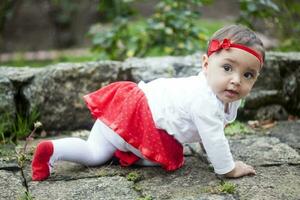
(56, 91)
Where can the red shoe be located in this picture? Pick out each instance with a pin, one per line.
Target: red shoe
(40, 163)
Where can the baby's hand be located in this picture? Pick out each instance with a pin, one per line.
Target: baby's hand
(241, 169)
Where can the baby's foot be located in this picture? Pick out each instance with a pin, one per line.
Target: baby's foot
(40, 164)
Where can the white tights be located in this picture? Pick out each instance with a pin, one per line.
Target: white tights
(96, 150)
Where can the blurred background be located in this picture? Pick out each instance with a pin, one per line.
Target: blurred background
(41, 32)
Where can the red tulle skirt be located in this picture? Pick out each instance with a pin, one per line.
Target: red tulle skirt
(124, 108)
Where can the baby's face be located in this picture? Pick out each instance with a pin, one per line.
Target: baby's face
(231, 73)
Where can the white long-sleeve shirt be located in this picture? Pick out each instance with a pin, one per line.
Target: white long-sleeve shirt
(188, 109)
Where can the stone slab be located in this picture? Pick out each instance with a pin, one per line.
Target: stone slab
(189, 182)
(288, 132)
(10, 185)
(280, 182)
(277, 165)
(262, 151)
(102, 188)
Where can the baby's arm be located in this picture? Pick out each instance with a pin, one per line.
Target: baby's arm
(240, 169)
(210, 125)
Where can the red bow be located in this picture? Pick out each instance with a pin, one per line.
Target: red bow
(216, 45)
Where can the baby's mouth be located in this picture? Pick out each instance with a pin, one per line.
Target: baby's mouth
(231, 93)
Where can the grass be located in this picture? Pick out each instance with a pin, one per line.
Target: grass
(22, 62)
(224, 187)
(134, 177)
(238, 128)
(13, 130)
(5, 124)
(26, 196)
(227, 187)
(24, 124)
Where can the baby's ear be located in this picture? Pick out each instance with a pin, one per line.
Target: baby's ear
(204, 62)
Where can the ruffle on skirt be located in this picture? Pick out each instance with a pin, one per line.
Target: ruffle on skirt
(124, 108)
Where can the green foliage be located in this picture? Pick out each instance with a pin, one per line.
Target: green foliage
(243, 102)
(24, 125)
(137, 188)
(14, 130)
(279, 16)
(21, 61)
(111, 9)
(6, 11)
(5, 126)
(21, 155)
(26, 196)
(62, 12)
(250, 10)
(134, 177)
(173, 27)
(171, 30)
(237, 128)
(227, 187)
(222, 187)
(121, 41)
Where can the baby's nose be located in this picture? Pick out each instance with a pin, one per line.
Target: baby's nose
(236, 79)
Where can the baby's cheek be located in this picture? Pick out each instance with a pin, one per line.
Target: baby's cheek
(250, 86)
(247, 90)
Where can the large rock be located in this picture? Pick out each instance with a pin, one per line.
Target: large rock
(12, 100)
(147, 69)
(19, 75)
(7, 103)
(259, 98)
(288, 132)
(57, 92)
(273, 112)
(270, 77)
(8, 160)
(289, 71)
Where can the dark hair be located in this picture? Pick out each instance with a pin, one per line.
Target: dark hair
(240, 35)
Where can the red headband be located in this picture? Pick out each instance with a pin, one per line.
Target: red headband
(216, 45)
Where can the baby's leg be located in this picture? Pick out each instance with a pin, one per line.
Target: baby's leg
(122, 145)
(95, 151)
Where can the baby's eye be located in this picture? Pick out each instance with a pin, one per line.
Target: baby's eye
(249, 75)
(227, 68)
